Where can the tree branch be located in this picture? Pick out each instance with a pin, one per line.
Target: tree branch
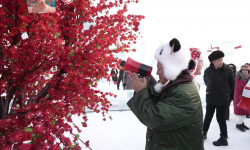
(14, 103)
(7, 101)
(81, 141)
(31, 97)
(31, 71)
(45, 89)
(1, 107)
(42, 93)
(71, 133)
(28, 27)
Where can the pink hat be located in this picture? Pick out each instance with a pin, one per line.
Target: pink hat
(195, 56)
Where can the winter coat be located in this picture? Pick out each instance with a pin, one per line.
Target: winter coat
(114, 74)
(220, 82)
(121, 72)
(239, 87)
(126, 81)
(174, 117)
(232, 93)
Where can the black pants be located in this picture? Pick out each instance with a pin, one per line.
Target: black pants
(220, 116)
(228, 111)
(118, 83)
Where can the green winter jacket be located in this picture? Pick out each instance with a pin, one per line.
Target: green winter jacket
(174, 117)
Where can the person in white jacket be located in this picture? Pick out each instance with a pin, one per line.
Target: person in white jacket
(197, 56)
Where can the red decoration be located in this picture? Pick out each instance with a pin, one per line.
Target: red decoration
(214, 47)
(53, 73)
(237, 47)
(210, 50)
(136, 24)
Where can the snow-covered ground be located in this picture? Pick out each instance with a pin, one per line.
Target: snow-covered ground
(125, 132)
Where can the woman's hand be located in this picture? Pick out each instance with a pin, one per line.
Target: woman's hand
(136, 83)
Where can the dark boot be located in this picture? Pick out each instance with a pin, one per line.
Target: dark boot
(244, 126)
(204, 134)
(221, 142)
(240, 127)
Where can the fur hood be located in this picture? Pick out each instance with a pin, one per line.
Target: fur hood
(240, 75)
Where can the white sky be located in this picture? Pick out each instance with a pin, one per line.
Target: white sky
(194, 20)
(197, 23)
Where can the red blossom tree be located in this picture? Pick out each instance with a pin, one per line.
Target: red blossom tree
(52, 75)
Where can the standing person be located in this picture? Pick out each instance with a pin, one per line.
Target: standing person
(241, 81)
(219, 80)
(114, 73)
(233, 67)
(121, 72)
(171, 110)
(126, 82)
(120, 78)
(197, 57)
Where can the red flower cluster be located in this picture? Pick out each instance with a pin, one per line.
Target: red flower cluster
(53, 73)
(136, 24)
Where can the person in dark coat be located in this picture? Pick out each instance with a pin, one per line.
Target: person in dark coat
(241, 81)
(220, 81)
(121, 72)
(172, 110)
(126, 82)
(233, 67)
(120, 78)
(114, 73)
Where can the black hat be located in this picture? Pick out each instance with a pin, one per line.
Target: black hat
(123, 62)
(215, 55)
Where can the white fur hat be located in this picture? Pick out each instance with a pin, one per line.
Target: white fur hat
(174, 60)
